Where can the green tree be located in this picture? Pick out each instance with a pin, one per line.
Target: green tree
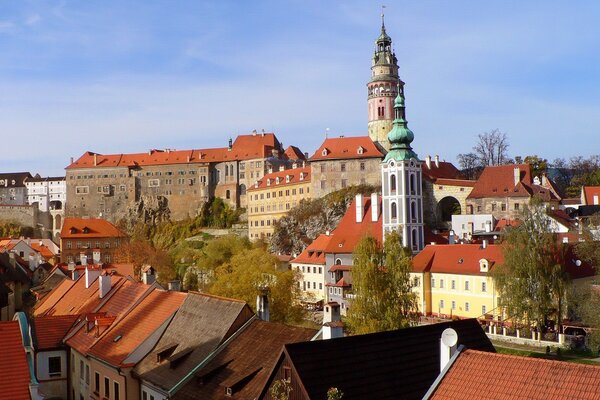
(539, 166)
(532, 281)
(384, 299)
(242, 276)
(334, 394)
(281, 389)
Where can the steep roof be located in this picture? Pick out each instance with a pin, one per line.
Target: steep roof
(588, 194)
(348, 233)
(123, 337)
(89, 228)
(202, 323)
(286, 177)
(14, 368)
(49, 331)
(476, 375)
(441, 170)
(294, 153)
(14, 179)
(244, 365)
(378, 365)
(457, 258)
(245, 147)
(346, 148)
(315, 252)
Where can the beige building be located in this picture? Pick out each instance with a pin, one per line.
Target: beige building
(271, 197)
(345, 161)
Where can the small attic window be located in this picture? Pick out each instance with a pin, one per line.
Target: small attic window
(460, 260)
(73, 230)
(301, 176)
(268, 182)
(117, 338)
(277, 180)
(287, 179)
(86, 230)
(360, 150)
(324, 152)
(484, 265)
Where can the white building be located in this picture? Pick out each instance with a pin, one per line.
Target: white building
(311, 266)
(465, 225)
(50, 195)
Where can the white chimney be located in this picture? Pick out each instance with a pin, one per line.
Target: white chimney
(96, 256)
(332, 324)
(262, 305)
(428, 161)
(104, 285)
(359, 208)
(91, 274)
(517, 175)
(484, 244)
(374, 208)
(83, 258)
(488, 226)
(282, 167)
(148, 276)
(448, 343)
(71, 266)
(437, 161)
(174, 286)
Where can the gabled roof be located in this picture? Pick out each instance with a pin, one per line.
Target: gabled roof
(49, 331)
(588, 194)
(202, 323)
(387, 365)
(245, 364)
(126, 335)
(348, 233)
(89, 228)
(282, 178)
(457, 258)
(476, 374)
(315, 252)
(346, 148)
(294, 153)
(14, 368)
(14, 179)
(443, 170)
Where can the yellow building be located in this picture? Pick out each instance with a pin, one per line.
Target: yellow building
(273, 196)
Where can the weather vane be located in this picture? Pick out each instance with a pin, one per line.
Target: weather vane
(382, 12)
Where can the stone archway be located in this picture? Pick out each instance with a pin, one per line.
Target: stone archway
(447, 207)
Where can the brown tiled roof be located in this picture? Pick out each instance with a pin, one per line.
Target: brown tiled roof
(315, 252)
(14, 369)
(202, 323)
(293, 174)
(387, 365)
(457, 258)
(49, 331)
(346, 148)
(445, 170)
(481, 375)
(88, 228)
(294, 153)
(251, 355)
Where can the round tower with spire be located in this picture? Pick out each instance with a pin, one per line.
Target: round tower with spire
(382, 88)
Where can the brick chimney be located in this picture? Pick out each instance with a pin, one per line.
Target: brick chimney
(359, 208)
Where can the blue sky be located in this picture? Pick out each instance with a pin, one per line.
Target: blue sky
(127, 76)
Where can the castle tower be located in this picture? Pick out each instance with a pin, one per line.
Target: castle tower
(401, 188)
(383, 88)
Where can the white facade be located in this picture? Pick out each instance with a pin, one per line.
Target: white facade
(48, 194)
(312, 281)
(464, 225)
(402, 198)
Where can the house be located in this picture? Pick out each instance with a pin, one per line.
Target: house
(48, 195)
(590, 195)
(14, 367)
(387, 365)
(14, 284)
(12, 188)
(83, 240)
(311, 264)
(470, 372)
(344, 161)
(272, 196)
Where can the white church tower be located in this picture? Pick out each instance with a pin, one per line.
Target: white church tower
(401, 183)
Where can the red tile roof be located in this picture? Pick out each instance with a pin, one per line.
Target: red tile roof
(476, 374)
(14, 368)
(589, 192)
(315, 252)
(294, 153)
(499, 181)
(346, 148)
(293, 174)
(245, 147)
(504, 223)
(348, 233)
(457, 258)
(445, 170)
(43, 250)
(50, 330)
(88, 228)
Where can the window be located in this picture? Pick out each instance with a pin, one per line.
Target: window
(516, 206)
(432, 282)
(96, 382)
(87, 374)
(467, 306)
(54, 366)
(323, 184)
(362, 166)
(106, 387)
(82, 189)
(153, 182)
(116, 388)
(441, 283)
(441, 303)
(493, 206)
(478, 209)
(344, 183)
(453, 285)
(483, 287)
(81, 369)
(503, 207)
(453, 305)
(483, 310)
(343, 167)
(466, 285)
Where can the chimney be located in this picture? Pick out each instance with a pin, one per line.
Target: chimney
(262, 304)
(517, 175)
(332, 324)
(11, 259)
(95, 160)
(230, 144)
(374, 208)
(282, 167)
(104, 285)
(428, 161)
(91, 274)
(437, 161)
(72, 159)
(544, 180)
(71, 266)
(488, 226)
(484, 244)
(359, 208)
(451, 237)
(28, 241)
(96, 256)
(83, 258)
(174, 285)
(148, 276)
(448, 342)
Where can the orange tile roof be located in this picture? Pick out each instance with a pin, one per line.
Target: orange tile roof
(445, 170)
(504, 223)
(245, 147)
(346, 148)
(499, 181)
(50, 300)
(14, 368)
(50, 330)
(455, 182)
(477, 375)
(293, 174)
(589, 192)
(75, 228)
(315, 252)
(133, 329)
(294, 153)
(43, 250)
(457, 258)
(348, 233)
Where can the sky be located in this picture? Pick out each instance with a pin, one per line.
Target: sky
(127, 76)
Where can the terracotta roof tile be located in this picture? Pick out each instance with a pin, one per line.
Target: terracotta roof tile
(346, 148)
(315, 252)
(286, 177)
(589, 192)
(445, 170)
(83, 228)
(456, 258)
(50, 330)
(294, 153)
(14, 368)
(499, 181)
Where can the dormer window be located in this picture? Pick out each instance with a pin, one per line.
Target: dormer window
(86, 230)
(360, 150)
(73, 230)
(277, 180)
(268, 182)
(301, 176)
(484, 265)
(325, 152)
(287, 179)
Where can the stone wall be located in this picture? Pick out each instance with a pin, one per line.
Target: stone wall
(434, 193)
(331, 175)
(22, 215)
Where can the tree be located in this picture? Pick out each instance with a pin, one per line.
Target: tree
(539, 166)
(491, 148)
(281, 389)
(585, 303)
(243, 276)
(532, 281)
(384, 299)
(469, 165)
(141, 252)
(334, 394)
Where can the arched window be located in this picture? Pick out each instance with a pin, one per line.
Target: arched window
(413, 185)
(242, 189)
(394, 210)
(413, 211)
(415, 241)
(393, 182)
(338, 261)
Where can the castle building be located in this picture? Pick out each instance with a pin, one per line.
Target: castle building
(382, 89)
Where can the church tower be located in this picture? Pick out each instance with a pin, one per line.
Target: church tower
(401, 187)
(383, 88)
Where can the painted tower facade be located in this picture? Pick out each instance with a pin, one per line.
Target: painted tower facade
(401, 181)
(382, 89)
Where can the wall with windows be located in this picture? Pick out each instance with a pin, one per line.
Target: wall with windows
(51, 372)
(465, 296)
(312, 282)
(331, 175)
(148, 392)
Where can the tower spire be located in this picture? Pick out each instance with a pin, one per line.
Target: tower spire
(382, 18)
(400, 137)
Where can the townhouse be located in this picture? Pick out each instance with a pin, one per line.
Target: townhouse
(86, 239)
